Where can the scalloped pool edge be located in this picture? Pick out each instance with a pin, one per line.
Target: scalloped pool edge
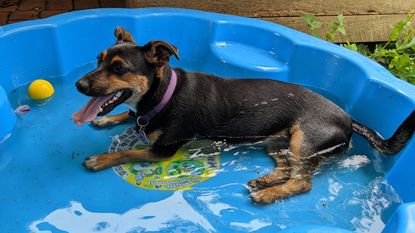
(52, 39)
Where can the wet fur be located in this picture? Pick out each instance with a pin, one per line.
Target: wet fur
(300, 126)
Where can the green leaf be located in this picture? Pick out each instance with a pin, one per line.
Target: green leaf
(311, 21)
(363, 49)
(407, 45)
(308, 18)
(401, 63)
(315, 25)
(397, 30)
(329, 36)
(350, 46)
(341, 19)
(342, 30)
(334, 26)
(400, 27)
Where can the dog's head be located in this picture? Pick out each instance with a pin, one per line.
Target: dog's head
(124, 74)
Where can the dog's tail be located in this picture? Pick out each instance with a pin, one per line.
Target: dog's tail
(392, 145)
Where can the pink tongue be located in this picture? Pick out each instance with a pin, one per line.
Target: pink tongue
(90, 110)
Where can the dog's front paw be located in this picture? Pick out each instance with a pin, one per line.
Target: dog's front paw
(93, 163)
(103, 121)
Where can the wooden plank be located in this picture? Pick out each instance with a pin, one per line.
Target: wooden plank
(82, 4)
(112, 3)
(273, 8)
(359, 28)
(3, 17)
(23, 15)
(46, 13)
(8, 5)
(32, 4)
(59, 5)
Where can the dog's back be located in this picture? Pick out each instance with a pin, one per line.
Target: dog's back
(247, 108)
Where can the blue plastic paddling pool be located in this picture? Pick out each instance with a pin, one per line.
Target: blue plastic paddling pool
(44, 188)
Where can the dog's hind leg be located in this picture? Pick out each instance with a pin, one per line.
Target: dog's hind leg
(304, 159)
(300, 175)
(277, 147)
(111, 120)
(280, 175)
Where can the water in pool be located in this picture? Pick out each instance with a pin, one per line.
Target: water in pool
(44, 187)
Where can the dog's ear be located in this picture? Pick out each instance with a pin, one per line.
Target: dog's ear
(158, 52)
(123, 36)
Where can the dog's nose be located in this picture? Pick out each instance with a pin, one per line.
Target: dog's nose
(82, 86)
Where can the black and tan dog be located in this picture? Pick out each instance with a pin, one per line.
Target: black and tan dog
(299, 126)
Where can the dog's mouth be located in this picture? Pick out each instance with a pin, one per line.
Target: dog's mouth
(100, 106)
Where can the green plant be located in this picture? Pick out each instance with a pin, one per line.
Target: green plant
(397, 54)
(336, 27)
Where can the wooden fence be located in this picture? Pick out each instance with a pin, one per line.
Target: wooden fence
(365, 20)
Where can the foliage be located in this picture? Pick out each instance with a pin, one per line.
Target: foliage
(335, 27)
(397, 54)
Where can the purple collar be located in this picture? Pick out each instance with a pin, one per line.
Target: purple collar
(143, 120)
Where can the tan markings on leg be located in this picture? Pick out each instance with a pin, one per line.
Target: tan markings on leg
(281, 173)
(111, 120)
(100, 162)
(300, 178)
(277, 148)
(289, 188)
(296, 140)
(296, 144)
(153, 136)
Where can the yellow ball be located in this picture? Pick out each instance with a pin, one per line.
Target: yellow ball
(40, 89)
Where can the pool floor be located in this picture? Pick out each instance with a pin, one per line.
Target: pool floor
(44, 187)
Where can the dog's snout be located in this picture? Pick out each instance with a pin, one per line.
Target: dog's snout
(82, 86)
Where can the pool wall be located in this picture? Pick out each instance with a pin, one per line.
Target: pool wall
(55, 46)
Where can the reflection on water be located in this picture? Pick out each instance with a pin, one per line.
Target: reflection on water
(165, 214)
(211, 199)
(253, 225)
(373, 201)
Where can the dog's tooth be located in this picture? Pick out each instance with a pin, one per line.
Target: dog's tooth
(118, 94)
(100, 109)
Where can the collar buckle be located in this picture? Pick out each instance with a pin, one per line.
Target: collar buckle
(141, 122)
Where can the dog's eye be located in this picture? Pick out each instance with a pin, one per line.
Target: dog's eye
(118, 68)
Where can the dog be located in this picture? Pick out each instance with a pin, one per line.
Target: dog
(172, 107)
